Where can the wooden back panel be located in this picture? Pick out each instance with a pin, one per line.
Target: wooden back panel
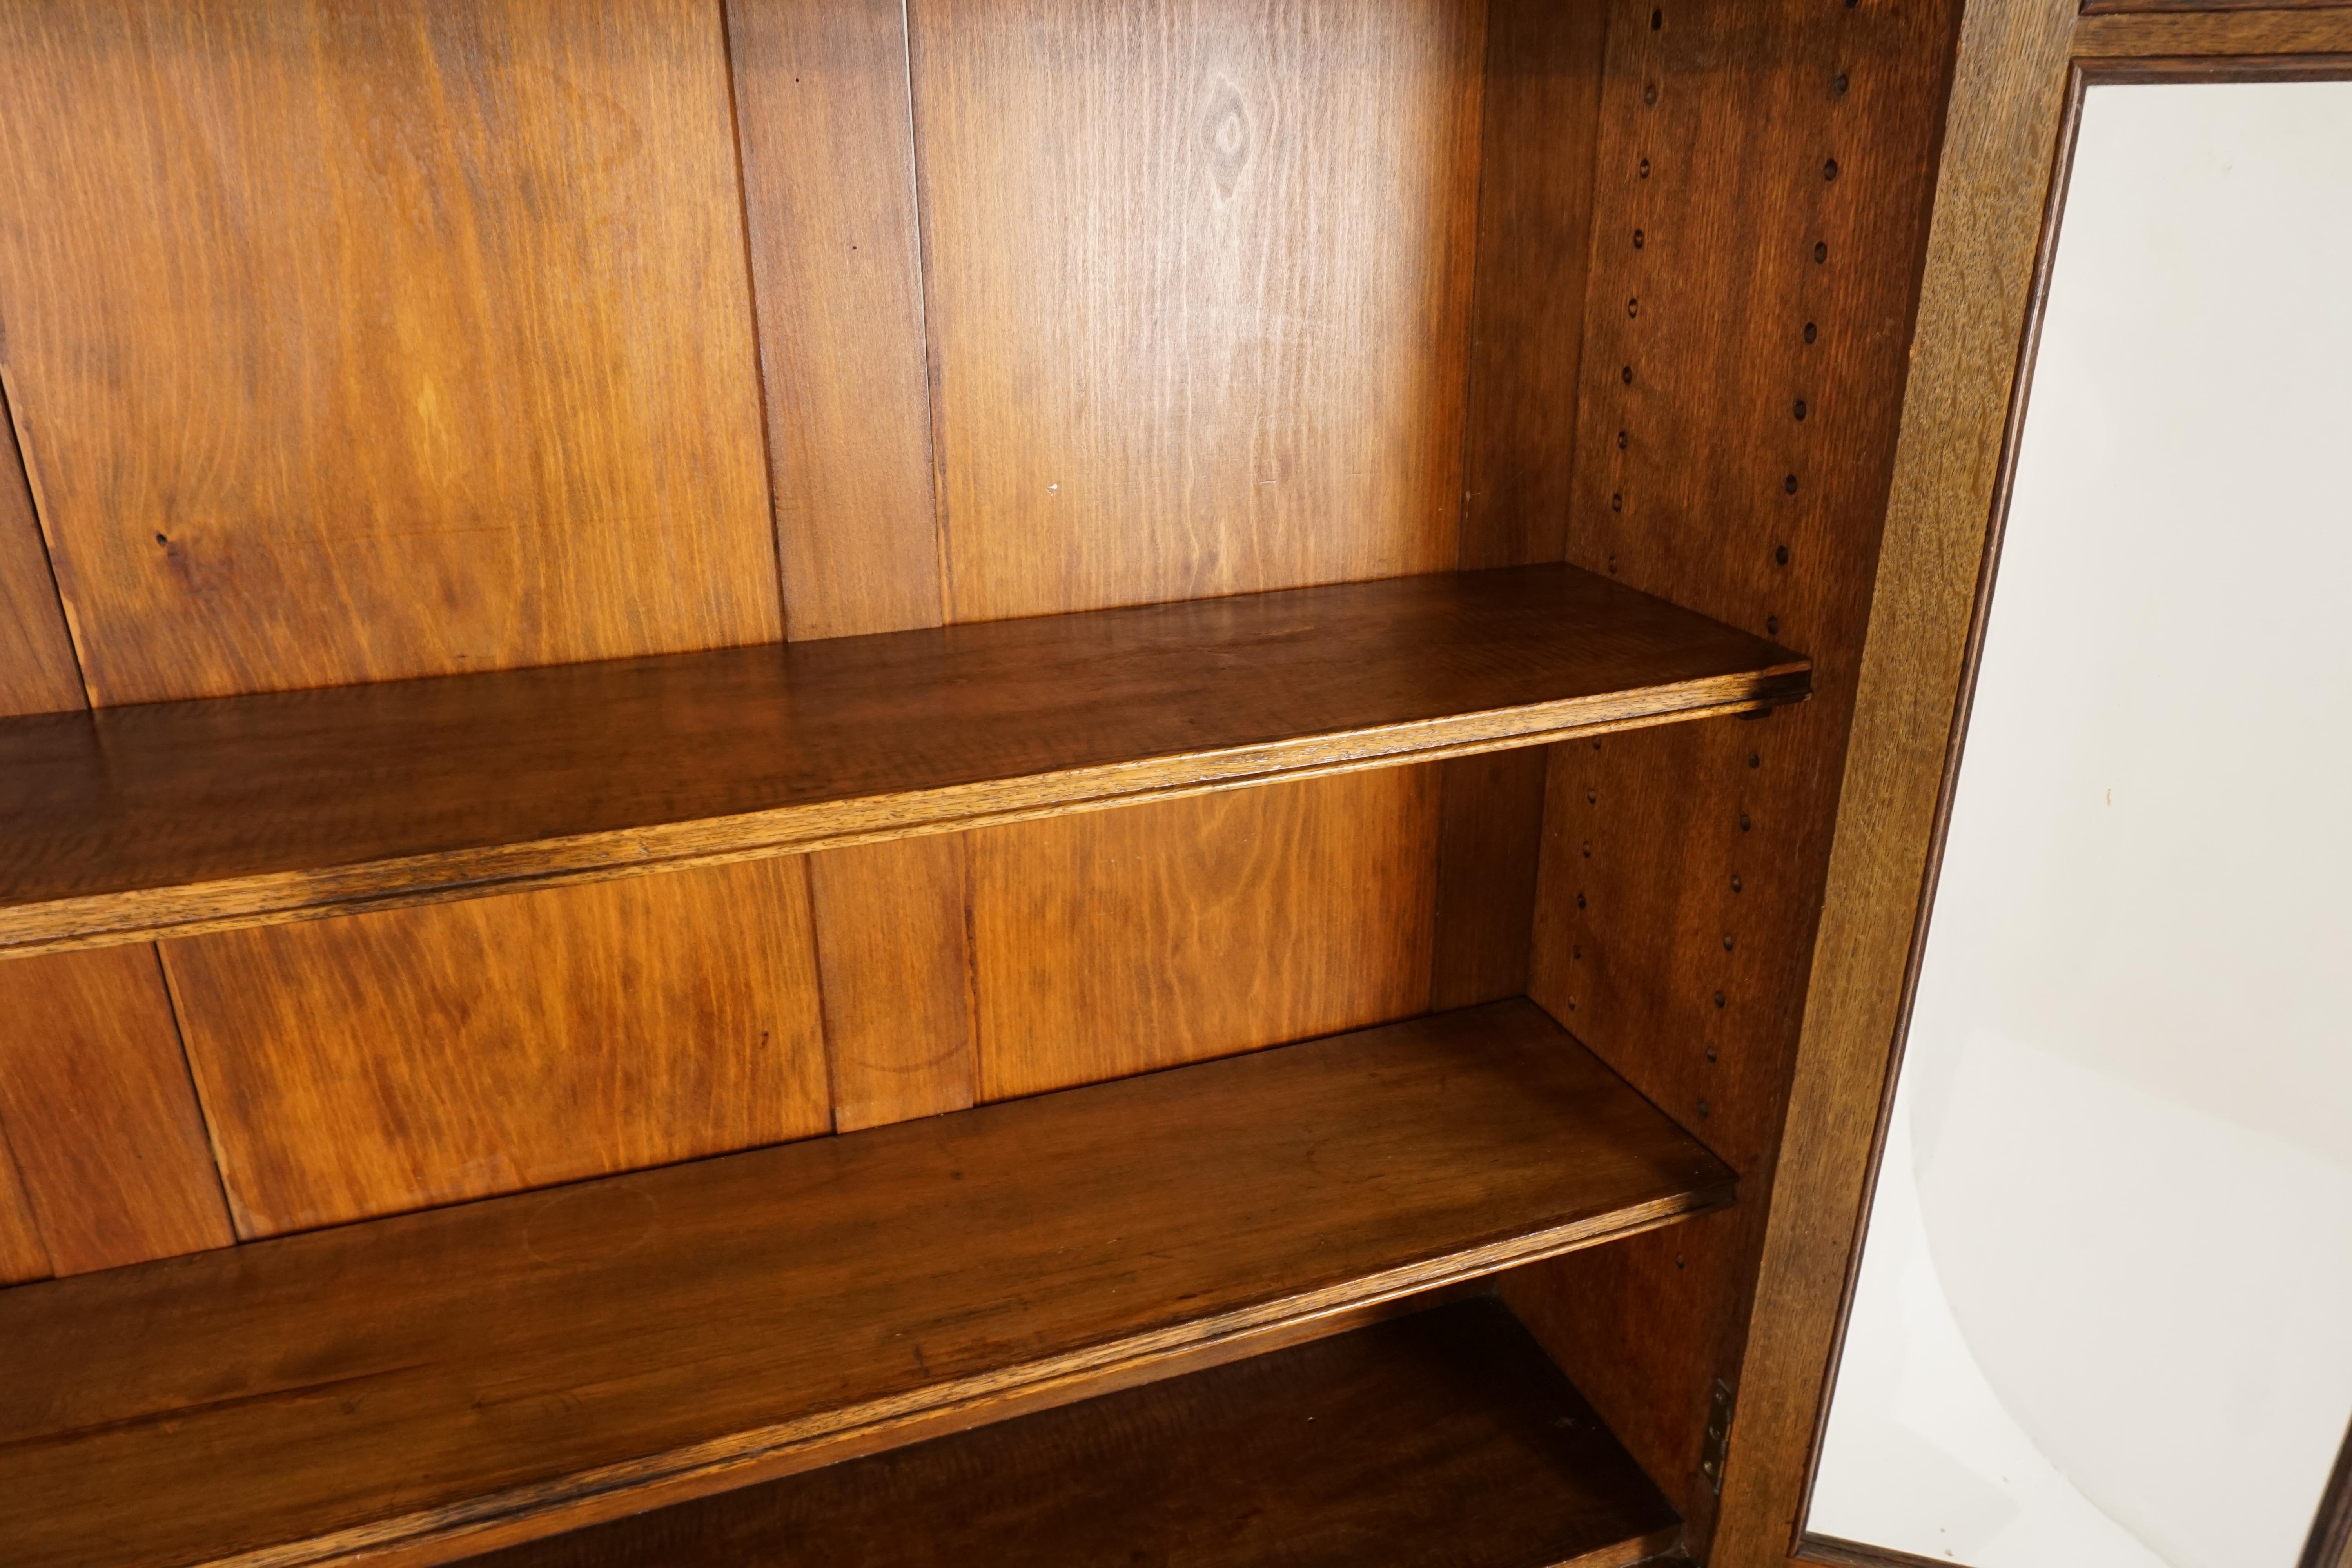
(361, 341)
(1763, 182)
(349, 343)
(1198, 286)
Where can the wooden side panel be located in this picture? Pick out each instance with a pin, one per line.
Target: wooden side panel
(1121, 942)
(399, 1060)
(1761, 197)
(1199, 283)
(821, 106)
(1535, 219)
(360, 340)
(97, 1106)
(894, 949)
(1489, 838)
(37, 670)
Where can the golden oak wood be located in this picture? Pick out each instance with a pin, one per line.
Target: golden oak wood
(1490, 842)
(894, 945)
(1998, 153)
(1441, 1438)
(188, 817)
(1125, 941)
(822, 109)
(1534, 247)
(1198, 276)
(2175, 7)
(1762, 192)
(413, 1057)
(397, 1383)
(37, 670)
(368, 340)
(2200, 42)
(96, 1107)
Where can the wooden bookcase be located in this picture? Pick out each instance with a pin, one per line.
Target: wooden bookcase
(922, 781)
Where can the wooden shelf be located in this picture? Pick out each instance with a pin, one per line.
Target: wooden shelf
(452, 1381)
(1441, 1440)
(172, 818)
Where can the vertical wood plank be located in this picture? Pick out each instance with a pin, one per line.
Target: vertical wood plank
(823, 110)
(1535, 247)
(894, 951)
(1198, 276)
(399, 1060)
(1489, 838)
(1122, 941)
(95, 1096)
(24, 1256)
(364, 339)
(1763, 182)
(38, 673)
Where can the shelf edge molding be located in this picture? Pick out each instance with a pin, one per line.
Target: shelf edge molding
(173, 819)
(415, 1389)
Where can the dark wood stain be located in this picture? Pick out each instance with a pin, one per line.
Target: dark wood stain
(190, 816)
(1679, 868)
(505, 1363)
(1431, 1441)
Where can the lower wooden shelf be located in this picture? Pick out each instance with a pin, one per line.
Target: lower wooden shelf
(416, 1389)
(1441, 1440)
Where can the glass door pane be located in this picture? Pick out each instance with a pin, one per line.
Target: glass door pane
(2105, 1313)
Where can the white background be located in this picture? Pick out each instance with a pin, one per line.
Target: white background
(2105, 1311)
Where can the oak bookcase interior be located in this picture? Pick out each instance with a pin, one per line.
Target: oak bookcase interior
(962, 781)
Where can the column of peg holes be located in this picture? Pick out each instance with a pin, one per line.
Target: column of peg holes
(1758, 212)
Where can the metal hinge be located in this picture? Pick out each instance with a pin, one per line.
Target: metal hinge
(1718, 1435)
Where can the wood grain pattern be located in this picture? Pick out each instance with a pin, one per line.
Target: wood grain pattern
(1763, 184)
(827, 133)
(351, 341)
(96, 1104)
(1427, 1442)
(396, 1385)
(413, 1057)
(1198, 281)
(893, 947)
(1125, 941)
(23, 1253)
(2008, 93)
(1835, 1553)
(2203, 42)
(1490, 842)
(193, 816)
(2175, 7)
(38, 673)
(1535, 248)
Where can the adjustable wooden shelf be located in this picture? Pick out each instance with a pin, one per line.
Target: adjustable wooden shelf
(794, 780)
(170, 819)
(509, 1367)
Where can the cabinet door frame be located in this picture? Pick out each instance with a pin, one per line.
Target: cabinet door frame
(2023, 68)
